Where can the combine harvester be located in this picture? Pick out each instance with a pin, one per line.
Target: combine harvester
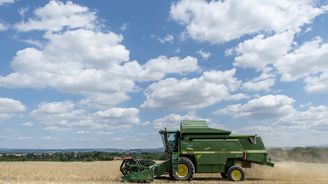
(196, 148)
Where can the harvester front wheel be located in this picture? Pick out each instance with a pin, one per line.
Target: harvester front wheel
(186, 170)
(236, 173)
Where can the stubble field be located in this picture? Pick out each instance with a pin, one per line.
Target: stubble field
(108, 172)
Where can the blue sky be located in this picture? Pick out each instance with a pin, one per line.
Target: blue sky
(87, 74)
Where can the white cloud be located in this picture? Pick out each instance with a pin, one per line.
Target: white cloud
(27, 124)
(166, 39)
(78, 62)
(278, 122)
(259, 85)
(264, 107)
(308, 59)
(87, 62)
(9, 107)
(32, 42)
(317, 84)
(50, 138)
(279, 110)
(195, 93)
(3, 27)
(313, 117)
(124, 27)
(263, 82)
(6, 2)
(20, 138)
(22, 12)
(66, 116)
(104, 133)
(57, 113)
(257, 129)
(172, 121)
(299, 128)
(237, 97)
(56, 129)
(157, 68)
(221, 21)
(204, 54)
(260, 51)
(93, 69)
(285, 136)
(120, 115)
(292, 62)
(57, 15)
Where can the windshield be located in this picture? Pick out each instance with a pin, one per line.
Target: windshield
(163, 135)
(169, 141)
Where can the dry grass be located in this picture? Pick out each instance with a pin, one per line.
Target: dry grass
(108, 172)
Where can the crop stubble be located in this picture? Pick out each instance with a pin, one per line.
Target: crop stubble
(108, 172)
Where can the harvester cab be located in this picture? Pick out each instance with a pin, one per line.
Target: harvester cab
(196, 148)
(170, 140)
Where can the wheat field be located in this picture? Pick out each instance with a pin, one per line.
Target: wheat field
(108, 172)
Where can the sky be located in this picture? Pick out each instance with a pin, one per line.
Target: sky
(111, 74)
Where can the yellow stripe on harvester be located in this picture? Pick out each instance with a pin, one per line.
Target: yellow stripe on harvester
(233, 152)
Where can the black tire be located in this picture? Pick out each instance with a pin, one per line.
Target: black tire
(224, 175)
(171, 175)
(184, 163)
(236, 173)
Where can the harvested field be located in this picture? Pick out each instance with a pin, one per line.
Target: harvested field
(108, 172)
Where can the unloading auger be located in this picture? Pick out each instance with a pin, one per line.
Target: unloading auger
(196, 148)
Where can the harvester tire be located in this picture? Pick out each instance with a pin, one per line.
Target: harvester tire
(236, 173)
(224, 175)
(186, 170)
(171, 175)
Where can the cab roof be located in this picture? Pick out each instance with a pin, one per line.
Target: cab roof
(200, 126)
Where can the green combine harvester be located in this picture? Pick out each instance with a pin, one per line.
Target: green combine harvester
(196, 148)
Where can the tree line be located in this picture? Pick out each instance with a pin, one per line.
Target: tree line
(298, 154)
(81, 156)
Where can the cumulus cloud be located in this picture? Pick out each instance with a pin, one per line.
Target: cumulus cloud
(172, 121)
(313, 117)
(157, 68)
(56, 129)
(222, 21)
(204, 54)
(309, 58)
(285, 136)
(292, 62)
(88, 62)
(120, 115)
(317, 83)
(300, 128)
(57, 15)
(195, 93)
(2, 27)
(166, 39)
(27, 124)
(261, 51)
(263, 82)
(6, 2)
(278, 111)
(66, 116)
(57, 113)
(9, 107)
(264, 107)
